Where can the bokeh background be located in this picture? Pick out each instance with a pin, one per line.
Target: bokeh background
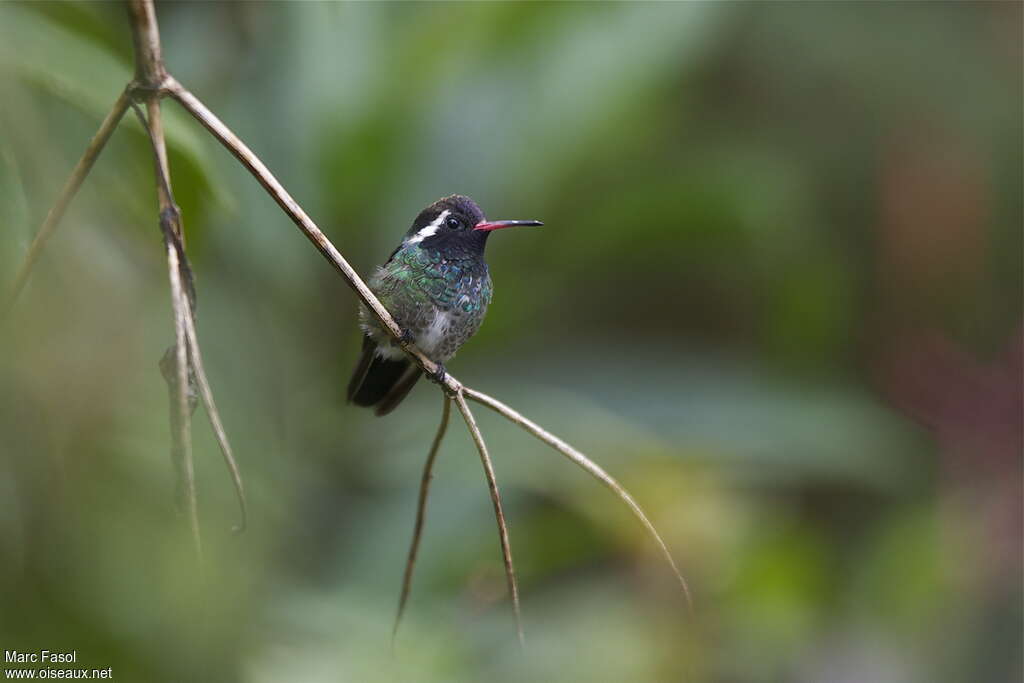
(778, 294)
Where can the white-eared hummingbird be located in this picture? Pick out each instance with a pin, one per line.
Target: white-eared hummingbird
(437, 287)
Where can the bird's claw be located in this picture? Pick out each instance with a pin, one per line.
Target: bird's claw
(406, 338)
(439, 376)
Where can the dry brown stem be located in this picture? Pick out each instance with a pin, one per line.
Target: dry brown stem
(499, 514)
(183, 437)
(421, 512)
(149, 74)
(170, 224)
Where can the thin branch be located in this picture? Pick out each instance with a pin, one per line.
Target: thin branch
(78, 174)
(211, 412)
(178, 381)
(184, 434)
(165, 196)
(170, 223)
(149, 62)
(149, 73)
(591, 467)
(492, 484)
(421, 512)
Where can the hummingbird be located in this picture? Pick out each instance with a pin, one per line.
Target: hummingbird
(436, 286)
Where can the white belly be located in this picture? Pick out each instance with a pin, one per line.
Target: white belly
(431, 339)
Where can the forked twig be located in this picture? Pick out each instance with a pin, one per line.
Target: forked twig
(587, 464)
(67, 193)
(149, 72)
(170, 222)
(178, 382)
(421, 512)
(492, 484)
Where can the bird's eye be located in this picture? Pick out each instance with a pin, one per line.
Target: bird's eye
(453, 223)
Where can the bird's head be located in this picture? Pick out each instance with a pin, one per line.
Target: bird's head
(455, 221)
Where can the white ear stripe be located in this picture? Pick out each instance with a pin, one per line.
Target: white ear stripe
(429, 230)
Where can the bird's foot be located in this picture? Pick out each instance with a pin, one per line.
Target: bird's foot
(439, 376)
(406, 338)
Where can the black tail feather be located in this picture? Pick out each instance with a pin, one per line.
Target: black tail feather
(400, 389)
(362, 367)
(377, 380)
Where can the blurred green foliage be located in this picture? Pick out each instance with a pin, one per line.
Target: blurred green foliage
(777, 294)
